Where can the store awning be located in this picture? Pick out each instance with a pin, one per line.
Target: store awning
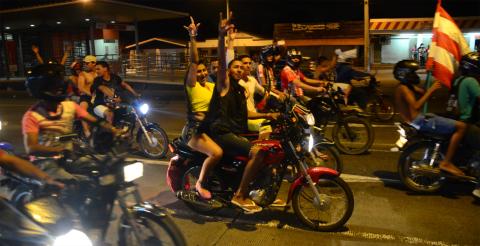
(80, 12)
(419, 24)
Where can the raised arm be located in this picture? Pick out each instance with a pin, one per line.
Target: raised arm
(37, 54)
(66, 54)
(223, 83)
(191, 76)
(232, 33)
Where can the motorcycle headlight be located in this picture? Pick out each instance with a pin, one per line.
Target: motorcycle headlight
(144, 108)
(310, 119)
(73, 237)
(310, 143)
(133, 171)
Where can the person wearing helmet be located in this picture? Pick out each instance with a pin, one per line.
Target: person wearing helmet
(294, 80)
(466, 87)
(265, 70)
(51, 116)
(409, 109)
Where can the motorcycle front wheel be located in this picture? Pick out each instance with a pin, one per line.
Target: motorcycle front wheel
(158, 147)
(414, 168)
(324, 156)
(328, 213)
(353, 135)
(153, 231)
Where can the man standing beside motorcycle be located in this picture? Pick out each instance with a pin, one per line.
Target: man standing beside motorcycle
(85, 82)
(409, 109)
(108, 85)
(51, 116)
(228, 116)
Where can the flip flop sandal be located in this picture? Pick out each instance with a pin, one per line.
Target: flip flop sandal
(278, 203)
(249, 208)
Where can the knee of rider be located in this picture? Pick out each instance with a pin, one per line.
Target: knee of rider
(217, 153)
(256, 151)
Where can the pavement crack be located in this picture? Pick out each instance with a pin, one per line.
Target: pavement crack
(229, 226)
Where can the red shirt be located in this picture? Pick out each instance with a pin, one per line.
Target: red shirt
(288, 75)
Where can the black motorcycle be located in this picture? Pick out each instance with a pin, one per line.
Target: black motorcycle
(104, 181)
(132, 118)
(418, 165)
(41, 221)
(378, 107)
(352, 132)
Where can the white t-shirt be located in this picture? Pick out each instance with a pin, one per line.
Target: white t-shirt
(251, 86)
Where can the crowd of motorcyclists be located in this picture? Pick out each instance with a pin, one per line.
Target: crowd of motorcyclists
(224, 101)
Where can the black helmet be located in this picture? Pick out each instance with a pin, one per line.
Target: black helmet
(46, 82)
(269, 50)
(470, 64)
(291, 54)
(405, 71)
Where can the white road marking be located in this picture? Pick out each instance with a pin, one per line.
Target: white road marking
(275, 224)
(350, 178)
(368, 235)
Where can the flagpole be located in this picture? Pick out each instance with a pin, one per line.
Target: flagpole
(427, 85)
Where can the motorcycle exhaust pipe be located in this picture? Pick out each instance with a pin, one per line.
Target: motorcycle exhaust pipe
(194, 198)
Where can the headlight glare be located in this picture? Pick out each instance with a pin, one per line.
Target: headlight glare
(73, 237)
(133, 171)
(144, 108)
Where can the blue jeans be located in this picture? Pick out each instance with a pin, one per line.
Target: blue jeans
(431, 123)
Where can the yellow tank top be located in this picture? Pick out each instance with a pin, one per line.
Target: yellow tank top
(200, 96)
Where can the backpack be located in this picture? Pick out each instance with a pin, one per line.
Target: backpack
(452, 103)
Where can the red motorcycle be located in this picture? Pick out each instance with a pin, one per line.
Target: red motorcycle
(320, 198)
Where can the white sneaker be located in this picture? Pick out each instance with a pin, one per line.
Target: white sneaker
(476, 192)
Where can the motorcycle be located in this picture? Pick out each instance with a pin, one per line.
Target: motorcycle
(41, 221)
(378, 107)
(317, 189)
(151, 138)
(104, 182)
(418, 165)
(352, 133)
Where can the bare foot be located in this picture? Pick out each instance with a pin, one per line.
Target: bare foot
(204, 193)
(450, 168)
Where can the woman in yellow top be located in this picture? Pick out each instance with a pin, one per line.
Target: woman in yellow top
(199, 92)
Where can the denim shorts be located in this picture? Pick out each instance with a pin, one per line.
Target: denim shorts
(431, 123)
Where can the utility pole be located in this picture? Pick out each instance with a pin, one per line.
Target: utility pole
(366, 36)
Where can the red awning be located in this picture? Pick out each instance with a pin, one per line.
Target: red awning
(419, 24)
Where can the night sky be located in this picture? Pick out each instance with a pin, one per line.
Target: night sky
(258, 16)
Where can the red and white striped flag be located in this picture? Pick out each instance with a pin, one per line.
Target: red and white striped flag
(447, 47)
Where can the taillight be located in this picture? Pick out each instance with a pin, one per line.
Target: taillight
(171, 148)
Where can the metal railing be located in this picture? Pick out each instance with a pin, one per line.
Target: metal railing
(165, 67)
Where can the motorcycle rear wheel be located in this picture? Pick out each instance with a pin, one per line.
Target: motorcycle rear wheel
(334, 209)
(354, 135)
(154, 231)
(418, 155)
(158, 149)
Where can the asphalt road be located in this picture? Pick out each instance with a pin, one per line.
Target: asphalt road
(385, 212)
